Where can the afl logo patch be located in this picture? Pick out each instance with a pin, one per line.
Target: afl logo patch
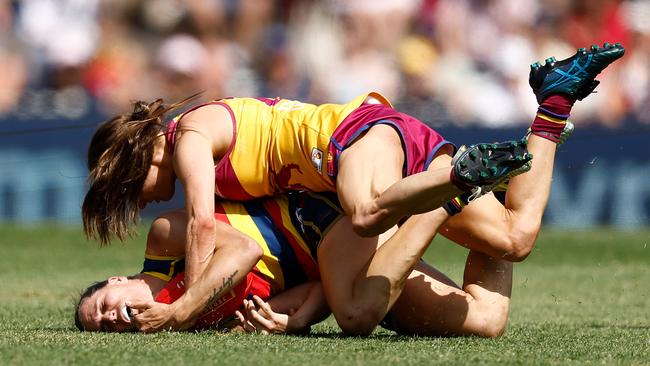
(317, 159)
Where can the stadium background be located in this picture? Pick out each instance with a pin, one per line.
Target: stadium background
(459, 65)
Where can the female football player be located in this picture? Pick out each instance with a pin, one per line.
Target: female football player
(430, 304)
(381, 167)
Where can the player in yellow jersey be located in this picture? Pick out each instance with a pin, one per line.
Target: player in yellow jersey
(384, 166)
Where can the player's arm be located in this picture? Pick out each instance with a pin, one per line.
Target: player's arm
(234, 256)
(202, 135)
(291, 312)
(195, 168)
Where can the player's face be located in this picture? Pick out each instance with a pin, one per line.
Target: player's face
(158, 186)
(159, 183)
(106, 309)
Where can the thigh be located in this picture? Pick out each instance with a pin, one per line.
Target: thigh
(370, 165)
(342, 258)
(483, 225)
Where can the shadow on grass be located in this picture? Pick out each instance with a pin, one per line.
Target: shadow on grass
(387, 337)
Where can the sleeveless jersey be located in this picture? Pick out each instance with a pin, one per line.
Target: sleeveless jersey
(278, 145)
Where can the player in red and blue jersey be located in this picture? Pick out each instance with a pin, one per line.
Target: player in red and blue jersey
(287, 261)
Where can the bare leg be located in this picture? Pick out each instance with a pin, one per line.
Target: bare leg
(508, 232)
(166, 235)
(371, 188)
(431, 304)
(362, 279)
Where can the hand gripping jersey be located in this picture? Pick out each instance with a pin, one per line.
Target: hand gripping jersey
(279, 145)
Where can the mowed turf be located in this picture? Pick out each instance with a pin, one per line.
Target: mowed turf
(580, 298)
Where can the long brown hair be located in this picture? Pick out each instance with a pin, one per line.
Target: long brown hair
(119, 158)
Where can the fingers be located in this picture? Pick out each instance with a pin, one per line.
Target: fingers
(263, 305)
(245, 325)
(139, 305)
(151, 317)
(240, 317)
(261, 323)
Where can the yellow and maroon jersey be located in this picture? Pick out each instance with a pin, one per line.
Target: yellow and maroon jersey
(278, 145)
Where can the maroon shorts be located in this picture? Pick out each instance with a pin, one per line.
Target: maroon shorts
(419, 141)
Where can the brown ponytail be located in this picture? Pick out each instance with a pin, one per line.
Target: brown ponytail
(119, 158)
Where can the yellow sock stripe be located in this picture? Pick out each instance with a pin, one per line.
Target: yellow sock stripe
(459, 202)
(162, 257)
(269, 264)
(551, 119)
(159, 276)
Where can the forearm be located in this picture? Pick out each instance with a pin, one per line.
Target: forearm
(234, 257)
(221, 276)
(199, 248)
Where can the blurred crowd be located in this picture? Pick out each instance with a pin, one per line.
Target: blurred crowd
(444, 61)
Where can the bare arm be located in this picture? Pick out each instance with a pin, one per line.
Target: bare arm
(195, 168)
(230, 264)
(234, 256)
(203, 136)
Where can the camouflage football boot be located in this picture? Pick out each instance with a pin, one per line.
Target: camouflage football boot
(574, 76)
(482, 167)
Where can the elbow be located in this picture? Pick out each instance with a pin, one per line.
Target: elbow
(495, 324)
(202, 224)
(369, 225)
(251, 250)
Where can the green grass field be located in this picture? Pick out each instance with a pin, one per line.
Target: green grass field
(580, 298)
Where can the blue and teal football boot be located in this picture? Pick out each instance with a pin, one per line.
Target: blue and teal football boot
(574, 76)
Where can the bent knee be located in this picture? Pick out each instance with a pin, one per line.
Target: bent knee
(524, 241)
(166, 234)
(363, 229)
(159, 229)
(520, 242)
(357, 321)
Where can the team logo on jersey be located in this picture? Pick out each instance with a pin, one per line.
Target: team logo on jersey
(317, 159)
